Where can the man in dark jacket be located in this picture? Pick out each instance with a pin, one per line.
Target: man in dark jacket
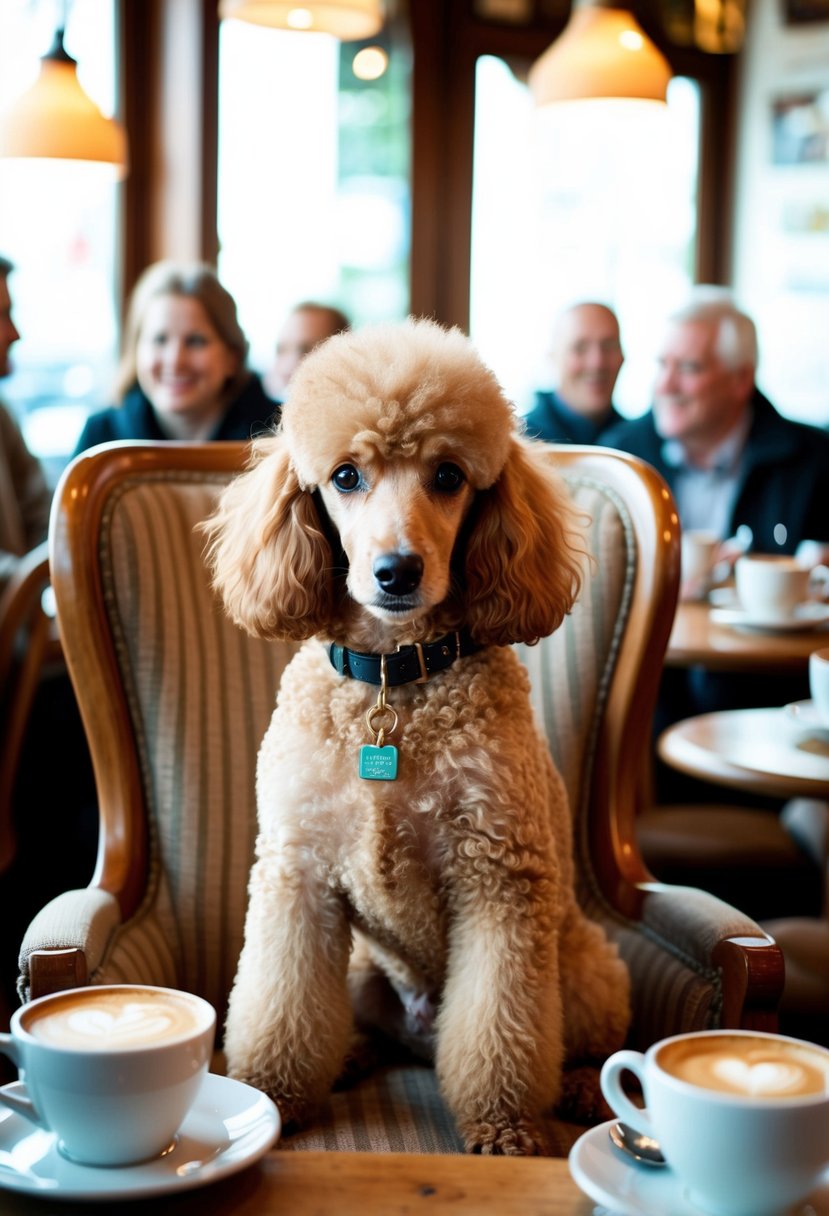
(735, 467)
(586, 355)
(732, 461)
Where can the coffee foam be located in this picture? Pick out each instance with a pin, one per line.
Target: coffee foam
(748, 1066)
(114, 1020)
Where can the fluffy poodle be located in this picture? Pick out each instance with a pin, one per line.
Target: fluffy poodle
(413, 869)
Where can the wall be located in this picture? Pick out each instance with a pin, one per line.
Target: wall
(781, 244)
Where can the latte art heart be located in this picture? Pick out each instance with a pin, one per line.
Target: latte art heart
(114, 1019)
(129, 1024)
(767, 1077)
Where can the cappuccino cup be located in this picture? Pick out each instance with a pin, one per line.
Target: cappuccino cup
(742, 1117)
(111, 1070)
(698, 554)
(819, 683)
(771, 587)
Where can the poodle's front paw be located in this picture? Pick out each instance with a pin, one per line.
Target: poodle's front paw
(518, 1138)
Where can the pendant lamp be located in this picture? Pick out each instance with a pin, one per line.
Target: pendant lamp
(603, 52)
(56, 120)
(346, 19)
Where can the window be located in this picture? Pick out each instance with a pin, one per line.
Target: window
(58, 224)
(313, 178)
(593, 200)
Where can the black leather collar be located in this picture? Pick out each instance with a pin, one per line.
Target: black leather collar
(409, 665)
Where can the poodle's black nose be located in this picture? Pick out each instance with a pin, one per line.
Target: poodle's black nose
(398, 573)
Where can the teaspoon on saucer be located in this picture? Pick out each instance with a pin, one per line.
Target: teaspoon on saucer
(643, 1149)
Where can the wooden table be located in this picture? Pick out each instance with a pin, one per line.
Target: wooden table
(760, 750)
(697, 640)
(356, 1184)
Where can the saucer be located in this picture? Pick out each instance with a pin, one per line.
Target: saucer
(230, 1125)
(808, 615)
(626, 1189)
(805, 714)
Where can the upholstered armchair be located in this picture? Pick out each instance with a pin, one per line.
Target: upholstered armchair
(175, 700)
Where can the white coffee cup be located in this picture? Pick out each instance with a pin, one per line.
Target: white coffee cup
(111, 1070)
(819, 683)
(771, 587)
(742, 1117)
(697, 557)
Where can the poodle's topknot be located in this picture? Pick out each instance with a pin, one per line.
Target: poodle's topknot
(410, 389)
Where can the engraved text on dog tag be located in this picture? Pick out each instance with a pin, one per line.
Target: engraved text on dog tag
(378, 763)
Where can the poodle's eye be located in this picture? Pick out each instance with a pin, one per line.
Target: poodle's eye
(347, 478)
(448, 478)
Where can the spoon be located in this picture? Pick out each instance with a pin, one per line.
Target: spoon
(641, 1148)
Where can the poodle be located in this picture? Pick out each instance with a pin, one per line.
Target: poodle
(413, 868)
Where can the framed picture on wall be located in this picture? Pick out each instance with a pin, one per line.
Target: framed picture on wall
(800, 128)
(796, 12)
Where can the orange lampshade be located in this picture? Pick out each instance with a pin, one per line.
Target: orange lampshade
(56, 119)
(603, 52)
(346, 19)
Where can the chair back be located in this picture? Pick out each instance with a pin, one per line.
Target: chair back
(176, 700)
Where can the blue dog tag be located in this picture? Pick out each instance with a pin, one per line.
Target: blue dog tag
(378, 763)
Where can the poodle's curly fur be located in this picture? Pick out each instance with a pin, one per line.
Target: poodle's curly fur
(396, 503)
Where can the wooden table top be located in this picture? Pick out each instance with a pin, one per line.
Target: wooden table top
(761, 750)
(697, 639)
(356, 1184)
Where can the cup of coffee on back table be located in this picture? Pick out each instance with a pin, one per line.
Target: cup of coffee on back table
(111, 1070)
(697, 557)
(771, 587)
(742, 1117)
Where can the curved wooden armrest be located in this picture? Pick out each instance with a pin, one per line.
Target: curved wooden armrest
(715, 936)
(56, 970)
(753, 973)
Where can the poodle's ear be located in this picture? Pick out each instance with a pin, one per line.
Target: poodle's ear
(525, 552)
(269, 558)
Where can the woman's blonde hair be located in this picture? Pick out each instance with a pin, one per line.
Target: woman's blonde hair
(200, 282)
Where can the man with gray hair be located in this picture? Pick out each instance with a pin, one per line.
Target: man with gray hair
(731, 460)
(735, 466)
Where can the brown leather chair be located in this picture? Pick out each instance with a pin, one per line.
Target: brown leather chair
(175, 701)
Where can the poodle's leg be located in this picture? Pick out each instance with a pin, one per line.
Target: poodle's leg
(595, 989)
(289, 1017)
(403, 1013)
(499, 1030)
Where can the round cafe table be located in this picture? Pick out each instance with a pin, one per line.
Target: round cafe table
(765, 751)
(698, 639)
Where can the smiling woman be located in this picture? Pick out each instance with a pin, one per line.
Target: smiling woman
(183, 371)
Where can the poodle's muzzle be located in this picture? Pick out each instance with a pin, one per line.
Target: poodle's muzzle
(398, 576)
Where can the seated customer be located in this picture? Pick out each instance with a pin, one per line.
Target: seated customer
(733, 463)
(306, 325)
(25, 497)
(183, 371)
(586, 357)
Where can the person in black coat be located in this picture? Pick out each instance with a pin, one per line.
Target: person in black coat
(736, 467)
(183, 372)
(586, 356)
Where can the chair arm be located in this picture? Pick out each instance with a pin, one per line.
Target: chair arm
(77, 921)
(716, 938)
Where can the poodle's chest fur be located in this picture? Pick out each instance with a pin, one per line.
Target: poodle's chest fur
(476, 804)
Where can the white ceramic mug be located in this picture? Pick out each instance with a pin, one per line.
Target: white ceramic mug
(819, 683)
(742, 1117)
(698, 555)
(771, 587)
(111, 1070)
